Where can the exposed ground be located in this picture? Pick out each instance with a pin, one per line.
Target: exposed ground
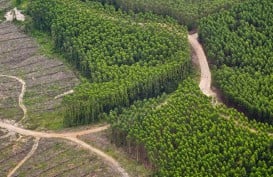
(205, 80)
(45, 79)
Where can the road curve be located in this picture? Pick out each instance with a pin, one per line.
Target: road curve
(205, 80)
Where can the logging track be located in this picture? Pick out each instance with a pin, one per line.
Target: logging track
(71, 136)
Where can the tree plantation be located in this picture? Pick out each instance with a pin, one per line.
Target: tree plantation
(137, 69)
(239, 43)
(187, 12)
(123, 59)
(191, 137)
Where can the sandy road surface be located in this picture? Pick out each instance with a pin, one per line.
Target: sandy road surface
(205, 80)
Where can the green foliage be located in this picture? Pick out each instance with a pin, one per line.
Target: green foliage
(186, 12)
(125, 56)
(239, 42)
(187, 136)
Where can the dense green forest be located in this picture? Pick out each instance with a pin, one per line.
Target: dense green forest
(184, 135)
(239, 43)
(187, 12)
(125, 57)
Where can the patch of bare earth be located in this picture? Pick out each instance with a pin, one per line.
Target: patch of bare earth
(45, 77)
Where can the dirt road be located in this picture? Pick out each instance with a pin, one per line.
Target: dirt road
(21, 96)
(72, 136)
(205, 80)
(37, 134)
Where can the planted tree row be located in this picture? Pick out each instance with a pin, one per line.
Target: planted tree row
(239, 43)
(184, 135)
(187, 12)
(123, 56)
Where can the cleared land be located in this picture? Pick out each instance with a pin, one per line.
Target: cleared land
(55, 157)
(45, 79)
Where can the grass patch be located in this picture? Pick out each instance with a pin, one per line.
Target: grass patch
(2, 14)
(11, 113)
(46, 120)
(46, 47)
(21, 4)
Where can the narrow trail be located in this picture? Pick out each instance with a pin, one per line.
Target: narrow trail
(63, 94)
(71, 136)
(205, 81)
(21, 96)
(34, 148)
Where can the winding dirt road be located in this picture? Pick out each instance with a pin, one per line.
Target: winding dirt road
(72, 136)
(205, 80)
(21, 96)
